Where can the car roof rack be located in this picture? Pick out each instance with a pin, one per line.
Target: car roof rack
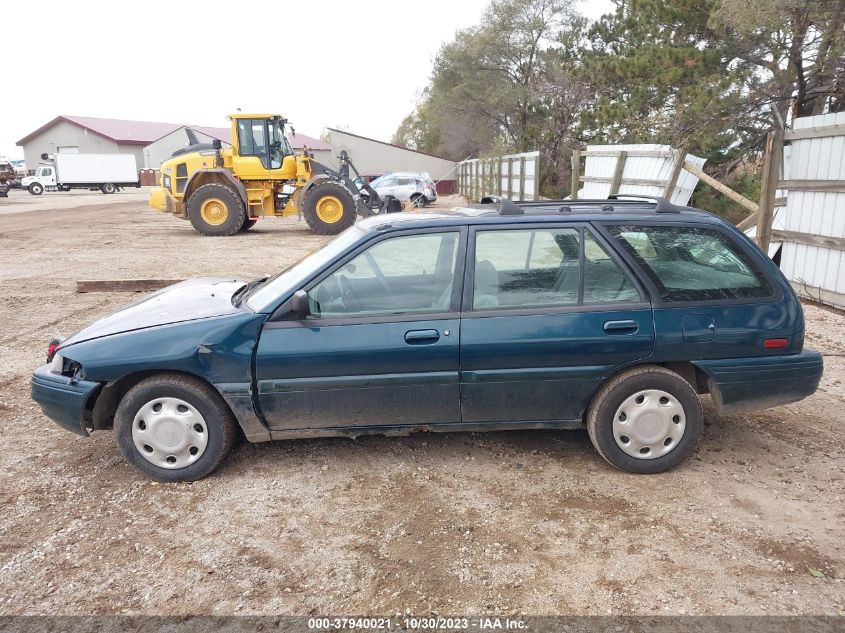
(625, 202)
(661, 205)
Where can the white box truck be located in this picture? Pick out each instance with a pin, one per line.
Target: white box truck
(63, 172)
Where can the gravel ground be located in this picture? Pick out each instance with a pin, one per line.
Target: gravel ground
(529, 522)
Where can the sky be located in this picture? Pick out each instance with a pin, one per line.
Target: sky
(359, 64)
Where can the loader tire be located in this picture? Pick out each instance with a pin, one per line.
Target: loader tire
(216, 210)
(329, 208)
(247, 225)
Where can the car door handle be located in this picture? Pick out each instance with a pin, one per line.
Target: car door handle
(621, 327)
(422, 337)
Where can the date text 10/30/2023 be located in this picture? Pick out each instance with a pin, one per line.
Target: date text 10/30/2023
(410, 623)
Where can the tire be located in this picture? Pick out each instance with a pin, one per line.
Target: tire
(36, 189)
(216, 210)
(247, 225)
(419, 201)
(336, 216)
(218, 428)
(108, 188)
(680, 419)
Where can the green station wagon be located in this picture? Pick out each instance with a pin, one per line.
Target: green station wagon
(612, 315)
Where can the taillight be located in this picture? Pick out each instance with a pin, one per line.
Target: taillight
(51, 349)
(775, 343)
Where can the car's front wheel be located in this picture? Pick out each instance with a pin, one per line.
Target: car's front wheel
(646, 420)
(173, 427)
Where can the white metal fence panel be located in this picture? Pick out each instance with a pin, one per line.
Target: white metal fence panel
(514, 176)
(647, 169)
(817, 271)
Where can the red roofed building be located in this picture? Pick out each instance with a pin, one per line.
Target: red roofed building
(150, 142)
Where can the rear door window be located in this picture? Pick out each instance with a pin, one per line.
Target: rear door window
(689, 263)
(542, 268)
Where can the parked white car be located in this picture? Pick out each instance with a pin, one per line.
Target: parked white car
(405, 185)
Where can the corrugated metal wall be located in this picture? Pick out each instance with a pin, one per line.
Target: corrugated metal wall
(372, 156)
(815, 271)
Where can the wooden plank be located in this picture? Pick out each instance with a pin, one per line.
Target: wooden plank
(576, 174)
(832, 186)
(499, 178)
(677, 168)
(771, 176)
(821, 295)
(124, 285)
(617, 173)
(810, 239)
(815, 132)
(748, 222)
(510, 178)
(522, 177)
(723, 189)
(647, 182)
(641, 153)
(751, 220)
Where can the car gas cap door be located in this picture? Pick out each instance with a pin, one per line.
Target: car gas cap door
(698, 328)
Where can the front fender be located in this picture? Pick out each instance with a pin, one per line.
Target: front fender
(218, 350)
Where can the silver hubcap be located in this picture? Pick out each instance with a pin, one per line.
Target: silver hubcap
(649, 424)
(169, 433)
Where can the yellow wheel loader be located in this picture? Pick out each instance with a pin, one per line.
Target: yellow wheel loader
(225, 191)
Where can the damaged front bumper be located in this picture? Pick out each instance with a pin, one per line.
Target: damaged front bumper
(62, 399)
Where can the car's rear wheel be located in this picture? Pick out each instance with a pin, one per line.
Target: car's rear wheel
(216, 210)
(646, 420)
(173, 427)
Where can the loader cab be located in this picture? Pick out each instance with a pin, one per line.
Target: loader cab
(260, 149)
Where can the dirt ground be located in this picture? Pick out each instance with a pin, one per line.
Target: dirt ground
(529, 522)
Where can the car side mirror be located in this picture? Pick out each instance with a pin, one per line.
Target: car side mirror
(216, 144)
(299, 304)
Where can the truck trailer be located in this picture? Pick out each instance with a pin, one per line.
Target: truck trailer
(63, 172)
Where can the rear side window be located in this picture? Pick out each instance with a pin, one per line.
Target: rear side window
(689, 263)
(525, 268)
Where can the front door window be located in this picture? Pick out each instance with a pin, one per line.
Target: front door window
(401, 275)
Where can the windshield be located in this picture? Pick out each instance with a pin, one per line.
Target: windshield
(277, 135)
(266, 296)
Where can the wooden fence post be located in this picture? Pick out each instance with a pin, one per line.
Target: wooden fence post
(576, 174)
(522, 177)
(617, 175)
(510, 178)
(771, 176)
(676, 172)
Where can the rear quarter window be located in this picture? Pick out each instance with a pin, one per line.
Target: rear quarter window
(689, 263)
